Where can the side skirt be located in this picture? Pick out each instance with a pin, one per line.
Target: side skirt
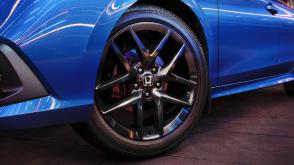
(229, 89)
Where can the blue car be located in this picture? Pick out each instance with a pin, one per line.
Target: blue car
(132, 77)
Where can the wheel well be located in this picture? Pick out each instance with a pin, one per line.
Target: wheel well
(187, 15)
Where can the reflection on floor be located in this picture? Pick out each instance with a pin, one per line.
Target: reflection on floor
(255, 127)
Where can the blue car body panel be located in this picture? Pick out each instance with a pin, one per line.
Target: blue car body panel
(62, 42)
(248, 38)
(286, 54)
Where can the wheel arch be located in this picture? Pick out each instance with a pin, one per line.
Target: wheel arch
(106, 22)
(189, 10)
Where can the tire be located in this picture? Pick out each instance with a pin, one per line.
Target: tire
(102, 134)
(289, 88)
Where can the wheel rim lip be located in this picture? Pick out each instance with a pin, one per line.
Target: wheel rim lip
(131, 133)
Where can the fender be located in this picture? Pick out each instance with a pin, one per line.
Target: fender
(207, 14)
(62, 43)
(51, 37)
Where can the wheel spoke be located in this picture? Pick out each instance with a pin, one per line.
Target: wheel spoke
(160, 45)
(113, 82)
(129, 69)
(160, 98)
(147, 57)
(178, 79)
(158, 115)
(165, 73)
(159, 94)
(138, 114)
(131, 72)
(169, 68)
(144, 52)
(134, 99)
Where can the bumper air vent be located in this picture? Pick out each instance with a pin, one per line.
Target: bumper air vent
(17, 81)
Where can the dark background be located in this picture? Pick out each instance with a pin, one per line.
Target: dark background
(255, 127)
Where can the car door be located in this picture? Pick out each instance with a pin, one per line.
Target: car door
(286, 13)
(248, 40)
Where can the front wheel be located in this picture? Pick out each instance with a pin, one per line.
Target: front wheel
(151, 85)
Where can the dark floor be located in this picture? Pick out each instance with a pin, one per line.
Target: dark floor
(255, 127)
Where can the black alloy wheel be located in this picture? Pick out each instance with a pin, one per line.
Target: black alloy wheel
(151, 85)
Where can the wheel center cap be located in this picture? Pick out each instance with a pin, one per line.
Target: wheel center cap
(148, 80)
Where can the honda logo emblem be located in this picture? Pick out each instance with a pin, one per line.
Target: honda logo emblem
(148, 81)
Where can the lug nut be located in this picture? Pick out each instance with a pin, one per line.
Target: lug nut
(158, 84)
(147, 94)
(153, 70)
(136, 86)
(140, 70)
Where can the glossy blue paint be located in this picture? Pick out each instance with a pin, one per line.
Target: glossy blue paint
(207, 12)
(54, 34)
(286, 55)
(62, 42)
(234, 88)
(38, 105)
(248, 41)
(55, 38)
(62, 115)
(47, 111)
